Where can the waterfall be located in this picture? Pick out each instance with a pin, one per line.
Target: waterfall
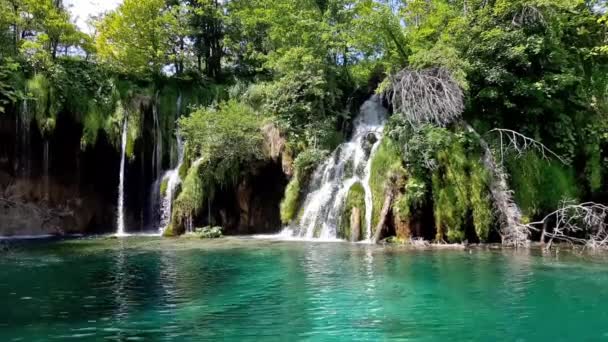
(120, 231)
(173, 180)
(330, 183)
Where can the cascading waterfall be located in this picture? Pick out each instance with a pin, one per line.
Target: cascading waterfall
(160, 207)
(349, 164)
(120, 224)
(173, 180)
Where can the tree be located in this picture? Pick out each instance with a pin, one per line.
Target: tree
(136, 37)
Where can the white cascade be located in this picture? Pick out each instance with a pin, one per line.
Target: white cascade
(349, 164)
(120, 222)
(173, 181)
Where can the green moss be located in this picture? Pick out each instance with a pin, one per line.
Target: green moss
(190, 200)
(460, 188)
(44, 102)
(354, 199)
(540, 185)
(481, 201)
(169, 232)
(163, 187)
(413, 196)
(289, 205)
(386, 163)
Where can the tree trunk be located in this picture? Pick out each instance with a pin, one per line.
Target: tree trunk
(386, 207)
(355, 224)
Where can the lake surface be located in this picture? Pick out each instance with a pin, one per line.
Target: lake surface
(244, 289)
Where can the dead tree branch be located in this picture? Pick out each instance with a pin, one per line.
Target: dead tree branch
(519, 144)
(527, 16)
(512, 231)
(426, 96)
(580, 224)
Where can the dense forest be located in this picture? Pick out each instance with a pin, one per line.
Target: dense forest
(497, 129)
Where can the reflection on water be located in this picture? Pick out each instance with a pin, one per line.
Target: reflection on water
(239, 289)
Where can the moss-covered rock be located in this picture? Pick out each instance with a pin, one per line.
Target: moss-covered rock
(355, 206)
(289, 205)
(386, 164)
(168, 232)
(164, 184)
(208, 232)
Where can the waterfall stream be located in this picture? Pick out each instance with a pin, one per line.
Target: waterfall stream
(173, 181)
(348, 165)
(120, 224)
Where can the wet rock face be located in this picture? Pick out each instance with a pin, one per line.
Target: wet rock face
(251, 207)
(48, 185)
(368, 142)
(27, 209)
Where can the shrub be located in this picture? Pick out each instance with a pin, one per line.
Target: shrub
(208, 232)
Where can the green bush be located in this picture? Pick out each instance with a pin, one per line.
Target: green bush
(208, 232)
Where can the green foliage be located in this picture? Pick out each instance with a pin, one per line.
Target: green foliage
(9, 84)
(190, 200)
(481, 201)
(540, 185)
(291, 201)
(354, 199)
(413, 196)
(227, 137)
(386, 164)
(44, 103)
(208, 232)
(136, 37)
(307, 161)
(304, 165)
(450, 193)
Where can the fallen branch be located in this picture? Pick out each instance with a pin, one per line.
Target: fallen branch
(519, 143)
(512, 231)
(386, 207)
(581, 224)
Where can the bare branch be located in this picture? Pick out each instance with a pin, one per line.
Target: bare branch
(581, 224)
(426, 96)
(519, 143)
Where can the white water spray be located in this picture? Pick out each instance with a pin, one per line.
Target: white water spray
(120, 224)
(349, 164)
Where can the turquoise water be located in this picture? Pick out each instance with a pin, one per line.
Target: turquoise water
(242, 289)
